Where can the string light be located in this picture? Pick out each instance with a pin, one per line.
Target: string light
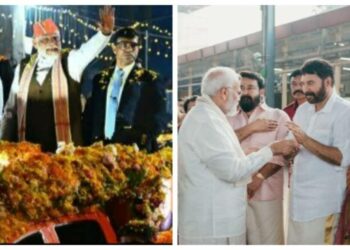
(71, 25)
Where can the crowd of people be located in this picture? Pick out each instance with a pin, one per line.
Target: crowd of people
(43, 104)
(233, 149)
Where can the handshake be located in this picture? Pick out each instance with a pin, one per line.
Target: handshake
(287, 148)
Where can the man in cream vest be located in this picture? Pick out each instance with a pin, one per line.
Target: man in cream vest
(44, 102)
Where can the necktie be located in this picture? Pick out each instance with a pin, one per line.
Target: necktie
(113, 103)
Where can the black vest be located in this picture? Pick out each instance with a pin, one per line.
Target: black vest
(40, 121)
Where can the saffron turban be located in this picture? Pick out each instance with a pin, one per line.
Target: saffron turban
(45, 27)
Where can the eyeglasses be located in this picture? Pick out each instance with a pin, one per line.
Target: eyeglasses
(127, 45)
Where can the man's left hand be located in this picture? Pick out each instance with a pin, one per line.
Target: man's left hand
(107, 19)
(254, 186)
(298, 133)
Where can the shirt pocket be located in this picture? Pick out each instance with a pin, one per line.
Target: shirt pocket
(322, 135)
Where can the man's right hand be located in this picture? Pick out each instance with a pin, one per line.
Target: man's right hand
(264, 125)
(287, 148)
(107, 19)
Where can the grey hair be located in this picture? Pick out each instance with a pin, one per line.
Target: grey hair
(217, 78)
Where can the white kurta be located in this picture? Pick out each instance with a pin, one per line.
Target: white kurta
(318, 187)
(213, 174)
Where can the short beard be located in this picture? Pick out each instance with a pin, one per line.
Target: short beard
(318, 97)
(248, 103)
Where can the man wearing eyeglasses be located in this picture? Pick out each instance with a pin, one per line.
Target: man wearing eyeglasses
(258, 125)
(44, 102)
(127, 101)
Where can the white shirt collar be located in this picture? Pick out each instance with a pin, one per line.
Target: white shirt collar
(327, 107)
(329, 104)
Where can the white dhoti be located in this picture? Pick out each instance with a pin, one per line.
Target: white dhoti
(265, 222)
(233, 240)
(315, 232)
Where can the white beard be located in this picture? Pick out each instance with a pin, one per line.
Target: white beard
(231, 107)
(45, 63)
(45, 60)
(232, 111)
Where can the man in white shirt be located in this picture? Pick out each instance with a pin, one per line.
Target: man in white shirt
(321, 127)
(213, 169)
(44, 104)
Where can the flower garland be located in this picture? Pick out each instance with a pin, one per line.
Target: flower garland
(37, 187)
(140, 75)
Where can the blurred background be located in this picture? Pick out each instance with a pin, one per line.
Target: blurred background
(271, 40)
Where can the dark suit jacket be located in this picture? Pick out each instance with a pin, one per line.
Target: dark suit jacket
(141, 112)
(6, 75)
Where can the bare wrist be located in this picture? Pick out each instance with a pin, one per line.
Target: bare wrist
(306, 140)
(253, 127)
